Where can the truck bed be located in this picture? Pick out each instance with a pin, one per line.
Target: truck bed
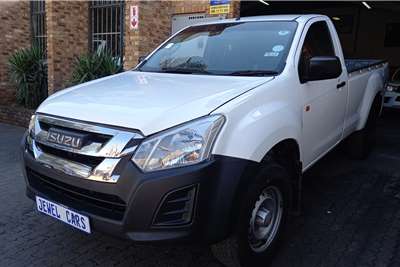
(353, 65)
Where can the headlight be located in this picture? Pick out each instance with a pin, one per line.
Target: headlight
(32, 122)
(31, 131)
(184, 145)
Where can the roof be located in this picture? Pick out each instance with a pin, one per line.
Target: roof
(274, 17)
(294, 17)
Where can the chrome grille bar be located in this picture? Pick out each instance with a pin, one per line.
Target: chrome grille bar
(60, 164)
(118, 145)
(114, 148)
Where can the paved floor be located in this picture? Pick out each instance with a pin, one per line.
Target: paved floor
(351, 218)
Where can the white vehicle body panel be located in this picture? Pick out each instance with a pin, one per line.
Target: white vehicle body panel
(323, 123)
(260, 111)
(149, 102)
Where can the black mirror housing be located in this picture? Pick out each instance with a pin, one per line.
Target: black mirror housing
(321, 68)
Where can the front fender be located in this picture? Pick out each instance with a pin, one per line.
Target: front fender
(252, 129)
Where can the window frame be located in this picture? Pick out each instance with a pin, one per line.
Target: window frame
(302, 41)
(330, 38)
(93, 5)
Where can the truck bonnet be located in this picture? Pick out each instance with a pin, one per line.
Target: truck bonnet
(149, 102)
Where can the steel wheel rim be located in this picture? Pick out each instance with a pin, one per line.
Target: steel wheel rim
(265, 219)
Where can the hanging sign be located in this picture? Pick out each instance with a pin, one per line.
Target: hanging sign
(218, 7)
(134, 17)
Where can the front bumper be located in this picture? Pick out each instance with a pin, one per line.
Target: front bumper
(129, 208)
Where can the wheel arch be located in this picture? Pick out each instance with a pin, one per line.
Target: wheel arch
(373, 91)
(286, 152)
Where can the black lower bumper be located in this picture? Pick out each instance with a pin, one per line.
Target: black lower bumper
(131, 207)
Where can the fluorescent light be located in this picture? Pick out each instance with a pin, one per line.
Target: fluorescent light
(336, 18)
(265, 3)
(366, 5)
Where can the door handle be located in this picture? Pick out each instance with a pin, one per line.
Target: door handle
(340, 85)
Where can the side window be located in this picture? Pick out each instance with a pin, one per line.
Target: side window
(318, 42)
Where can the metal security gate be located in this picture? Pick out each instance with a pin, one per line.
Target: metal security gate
(106, 26)
(38, 23)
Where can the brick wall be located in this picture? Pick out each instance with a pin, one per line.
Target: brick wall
(131, 38)
(15, 34)
(154, 27)
(67, 37)
(15, 115)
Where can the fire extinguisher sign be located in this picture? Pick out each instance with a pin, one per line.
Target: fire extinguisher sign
(134, 17)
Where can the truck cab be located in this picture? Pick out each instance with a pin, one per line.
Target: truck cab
(206, 140)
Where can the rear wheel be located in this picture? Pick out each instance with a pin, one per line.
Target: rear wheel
(262, 216)
(361, 143)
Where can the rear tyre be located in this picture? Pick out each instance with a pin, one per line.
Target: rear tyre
(361, 143)
(262, 216)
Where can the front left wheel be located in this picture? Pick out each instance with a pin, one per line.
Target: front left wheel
(261, 219)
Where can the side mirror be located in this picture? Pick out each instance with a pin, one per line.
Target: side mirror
(141, 58)
(321, 68)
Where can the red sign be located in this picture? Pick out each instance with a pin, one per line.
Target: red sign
(134, 17)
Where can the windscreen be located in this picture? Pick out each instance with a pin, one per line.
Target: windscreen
(240, 48)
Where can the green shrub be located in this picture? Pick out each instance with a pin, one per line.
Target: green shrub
(28, 70)
(94, 66)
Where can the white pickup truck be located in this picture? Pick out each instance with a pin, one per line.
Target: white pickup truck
(206, 140)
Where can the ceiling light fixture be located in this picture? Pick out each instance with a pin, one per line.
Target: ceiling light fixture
(336, 18)
(265, 3)
(366, 5)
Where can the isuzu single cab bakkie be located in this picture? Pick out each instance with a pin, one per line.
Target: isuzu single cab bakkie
(206, 140)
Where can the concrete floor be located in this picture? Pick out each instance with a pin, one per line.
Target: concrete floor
(351, 217)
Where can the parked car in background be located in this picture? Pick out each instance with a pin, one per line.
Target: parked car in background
(207, 139)
(392, 94)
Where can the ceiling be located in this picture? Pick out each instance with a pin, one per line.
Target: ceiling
(254, 8)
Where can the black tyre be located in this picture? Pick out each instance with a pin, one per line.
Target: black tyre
(360, 144)
(262, 217)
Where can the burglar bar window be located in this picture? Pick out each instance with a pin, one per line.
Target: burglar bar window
(38, 22)
(106, 26)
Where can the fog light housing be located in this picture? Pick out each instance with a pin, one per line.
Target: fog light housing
(177, 207)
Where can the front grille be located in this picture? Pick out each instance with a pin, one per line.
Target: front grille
(87, 160)
(93, 137)
(177, 207)
(101, 204)
(99, 155)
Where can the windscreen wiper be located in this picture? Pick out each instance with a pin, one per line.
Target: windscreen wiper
(254, 73)
(184, 71)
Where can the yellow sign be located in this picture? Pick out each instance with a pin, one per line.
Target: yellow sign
(219, 9)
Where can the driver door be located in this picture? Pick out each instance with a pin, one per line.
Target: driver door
(324, 102)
